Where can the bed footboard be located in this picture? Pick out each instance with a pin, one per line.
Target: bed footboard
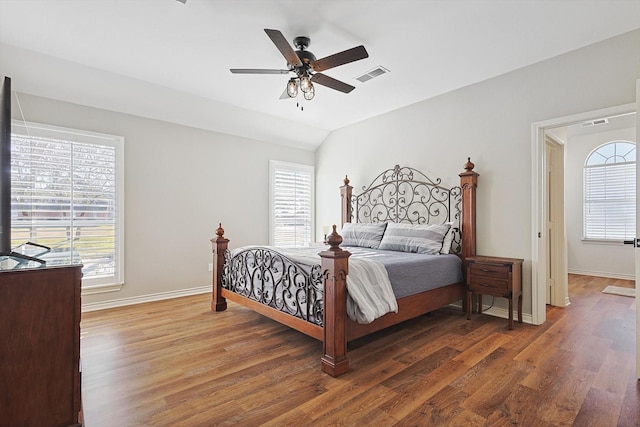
(272, 279)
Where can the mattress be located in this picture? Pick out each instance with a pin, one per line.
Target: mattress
(411, 273)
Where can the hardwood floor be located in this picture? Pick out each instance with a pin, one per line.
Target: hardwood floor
(176, 363)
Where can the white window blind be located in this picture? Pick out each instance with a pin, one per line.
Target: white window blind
(291, 204)
(610, 192)
(67, 193)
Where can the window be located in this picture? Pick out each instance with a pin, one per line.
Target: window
(67, 192)
(610, 192)
(291, 204)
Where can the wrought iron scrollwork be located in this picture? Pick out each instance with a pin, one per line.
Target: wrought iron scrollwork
(404, 194)
(272, 279)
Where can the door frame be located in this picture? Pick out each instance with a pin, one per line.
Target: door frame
(539, 238)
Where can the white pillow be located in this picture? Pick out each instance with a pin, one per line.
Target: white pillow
(418, 238)
(365, 235)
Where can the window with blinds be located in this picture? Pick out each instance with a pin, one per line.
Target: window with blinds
(291, 204)
(610, 192)
(67, 193)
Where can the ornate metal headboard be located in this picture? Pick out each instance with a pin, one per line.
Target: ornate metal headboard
(404, 194)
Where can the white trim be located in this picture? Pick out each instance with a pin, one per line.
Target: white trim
(538, 228)
(79, 135)
(101, 289)
(603, 274)
(504, 314)
(603, 242)
(115, 282)
(538, 260)
(122, 302)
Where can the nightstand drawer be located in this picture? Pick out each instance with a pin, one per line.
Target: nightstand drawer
(489, 285)
(489, 270)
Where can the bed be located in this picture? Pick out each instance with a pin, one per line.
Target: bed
(312, 297)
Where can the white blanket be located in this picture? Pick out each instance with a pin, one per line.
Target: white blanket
(369, 292)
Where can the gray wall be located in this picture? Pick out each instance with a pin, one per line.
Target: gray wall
(492, 123)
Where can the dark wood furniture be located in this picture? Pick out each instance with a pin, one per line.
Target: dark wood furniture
(496, 276)
(337, 329)
(40, 347)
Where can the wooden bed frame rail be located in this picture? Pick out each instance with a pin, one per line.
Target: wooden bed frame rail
(338, 329)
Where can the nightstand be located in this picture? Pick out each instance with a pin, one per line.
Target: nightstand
(496, 276)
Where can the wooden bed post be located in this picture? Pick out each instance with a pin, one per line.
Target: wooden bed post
(468, 183)
(345, 195)
(335, 267)
(220, 245)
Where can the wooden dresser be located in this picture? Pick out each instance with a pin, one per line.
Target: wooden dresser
(40, 346)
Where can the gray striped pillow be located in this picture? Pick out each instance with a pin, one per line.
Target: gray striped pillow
(365, 235)
(418, 238)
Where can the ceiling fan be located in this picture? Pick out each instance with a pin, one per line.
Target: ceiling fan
(306, 67)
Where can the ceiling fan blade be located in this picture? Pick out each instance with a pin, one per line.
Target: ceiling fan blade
(332, 83)
(284, 47)
(257, 71)
(350, 55)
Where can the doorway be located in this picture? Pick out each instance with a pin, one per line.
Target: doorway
(545, 263)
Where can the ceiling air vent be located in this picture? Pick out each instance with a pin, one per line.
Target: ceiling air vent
(595, 122)
(378, 71)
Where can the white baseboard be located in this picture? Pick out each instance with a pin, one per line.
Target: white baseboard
(602, 274)
(504, 314)
(121, 302)
(501, 312)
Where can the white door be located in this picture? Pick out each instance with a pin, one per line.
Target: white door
(549, 219)
(557, 286)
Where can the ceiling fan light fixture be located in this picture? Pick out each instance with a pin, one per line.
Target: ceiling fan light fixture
(308, 95)
(306, 66)
(292, 88)
(305, 83)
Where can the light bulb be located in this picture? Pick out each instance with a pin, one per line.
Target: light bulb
(292, 88)
(308, 95)
(305, 84)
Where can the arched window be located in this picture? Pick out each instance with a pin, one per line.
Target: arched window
(610, 192)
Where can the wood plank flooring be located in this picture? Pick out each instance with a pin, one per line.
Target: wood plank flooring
(176, 363)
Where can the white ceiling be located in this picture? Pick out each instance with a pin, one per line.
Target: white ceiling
(181, 53)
